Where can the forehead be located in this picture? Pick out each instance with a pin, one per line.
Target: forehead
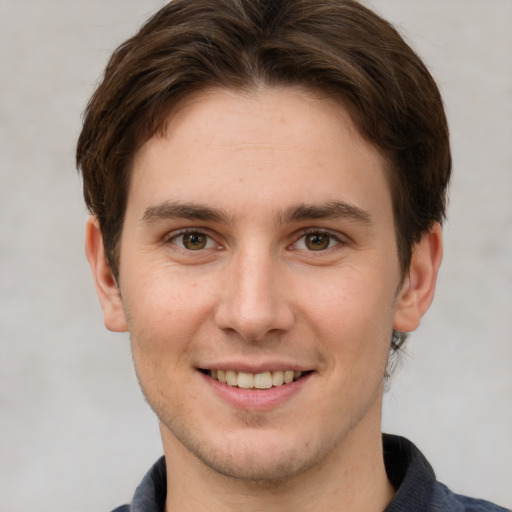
(270, 146)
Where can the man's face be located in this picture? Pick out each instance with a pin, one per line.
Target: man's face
(259, 240)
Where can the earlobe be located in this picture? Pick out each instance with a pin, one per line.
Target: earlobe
(104, 280)
(418, 288)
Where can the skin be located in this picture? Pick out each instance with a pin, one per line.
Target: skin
(259, 295)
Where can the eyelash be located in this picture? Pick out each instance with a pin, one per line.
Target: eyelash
(332, 238)
(171, 237)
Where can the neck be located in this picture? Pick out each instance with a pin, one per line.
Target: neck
(352, 478)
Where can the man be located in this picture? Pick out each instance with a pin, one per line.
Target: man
(267, 182)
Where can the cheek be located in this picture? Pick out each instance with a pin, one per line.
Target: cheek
(164, 315)
(361, 300)
(162, 329)
(352, 316)
(162, 296)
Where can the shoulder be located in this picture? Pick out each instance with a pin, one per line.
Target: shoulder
(417, 488)
(445, 500)
(151, 493)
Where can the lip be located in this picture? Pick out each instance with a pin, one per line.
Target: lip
(255, 399)
(240, 366)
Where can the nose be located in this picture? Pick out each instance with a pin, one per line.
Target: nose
(254, 301)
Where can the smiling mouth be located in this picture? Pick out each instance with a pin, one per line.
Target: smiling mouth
(263, 380)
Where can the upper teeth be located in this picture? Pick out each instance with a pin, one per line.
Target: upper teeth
(264, 380)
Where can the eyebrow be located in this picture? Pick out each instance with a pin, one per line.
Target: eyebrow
(191, 211)
(329, 210)
(296, 213)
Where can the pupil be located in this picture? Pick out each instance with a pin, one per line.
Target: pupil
(318, 241)
(194, 241)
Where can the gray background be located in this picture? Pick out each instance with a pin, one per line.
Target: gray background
(75, 433)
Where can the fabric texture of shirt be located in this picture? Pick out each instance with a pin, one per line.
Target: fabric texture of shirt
(408, 470)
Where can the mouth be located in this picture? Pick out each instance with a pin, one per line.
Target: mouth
(263, 380)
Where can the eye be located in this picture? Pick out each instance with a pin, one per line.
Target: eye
(316, 241)
(193, 241)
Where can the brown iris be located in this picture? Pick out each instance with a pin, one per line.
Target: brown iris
(317, 241)
(194, 241)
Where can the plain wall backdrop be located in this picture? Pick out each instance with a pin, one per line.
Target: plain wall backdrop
(75, 432)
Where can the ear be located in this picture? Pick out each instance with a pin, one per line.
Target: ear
(418, 288)
(104, 280)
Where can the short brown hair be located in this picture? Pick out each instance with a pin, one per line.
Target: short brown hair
(338, 47)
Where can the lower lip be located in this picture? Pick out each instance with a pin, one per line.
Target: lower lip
(256, 399)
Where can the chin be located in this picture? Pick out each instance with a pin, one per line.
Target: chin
(259, 457)
(257, 464)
